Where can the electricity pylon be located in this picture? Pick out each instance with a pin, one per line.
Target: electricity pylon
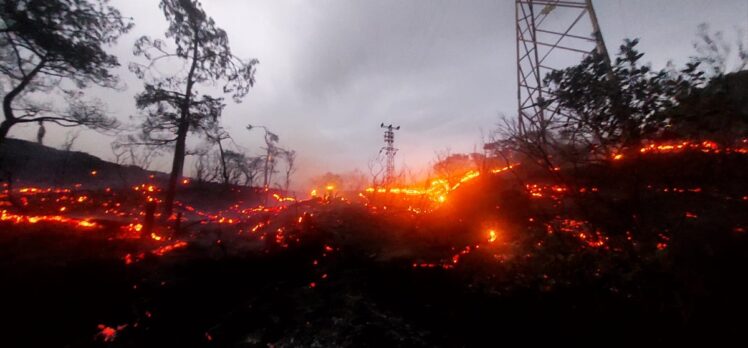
(551, 35)
(389, 152)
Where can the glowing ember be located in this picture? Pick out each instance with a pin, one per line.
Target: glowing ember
(24, 219)
(108, 334)
(705, 146)
(437, 190)
(169, 248)
(280, 198)
(86, 224)
(492, 236)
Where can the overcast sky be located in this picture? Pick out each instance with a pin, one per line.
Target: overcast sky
(331, 71)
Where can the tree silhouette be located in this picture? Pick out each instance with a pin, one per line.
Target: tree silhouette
(51, 46)
(715, 53)
(271, 152)
(601, 110)
(172, 105)
(612, 107)
(290, 157)
(717, 112)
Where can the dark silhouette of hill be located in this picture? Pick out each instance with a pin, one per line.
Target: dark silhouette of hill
(29, 163)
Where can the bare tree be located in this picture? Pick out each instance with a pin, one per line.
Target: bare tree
(715, 52)
(172, 105)
(218, 136)
(129, 151)
(205, 168)
(376, 168)
(290, 157)
(57, 47)
(271, 152)
(70, 138)
(251, 169)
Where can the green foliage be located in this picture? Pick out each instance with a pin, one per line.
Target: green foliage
(717, 112)
(609, 107)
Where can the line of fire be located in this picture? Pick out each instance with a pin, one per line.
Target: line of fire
(611, 207)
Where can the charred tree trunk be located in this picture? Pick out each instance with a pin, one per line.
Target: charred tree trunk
(181, 144)
(4, 129)
(10, 118)
(150, 212)
(176, 168)
(267, 168)
(224, 168)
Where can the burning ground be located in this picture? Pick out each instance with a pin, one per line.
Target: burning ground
(485, 257)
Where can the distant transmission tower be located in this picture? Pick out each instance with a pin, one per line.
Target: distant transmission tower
(389, 151)
(550, 36)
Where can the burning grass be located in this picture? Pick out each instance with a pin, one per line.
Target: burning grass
(452, 264)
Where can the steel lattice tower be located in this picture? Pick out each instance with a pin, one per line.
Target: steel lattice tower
(550, 36)
(389, 152)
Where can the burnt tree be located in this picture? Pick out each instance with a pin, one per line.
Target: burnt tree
(56, 47)
(172, 105)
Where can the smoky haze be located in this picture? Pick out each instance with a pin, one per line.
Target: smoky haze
(331, 71)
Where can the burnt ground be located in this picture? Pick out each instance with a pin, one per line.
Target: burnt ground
(59, 286)
(671, 271)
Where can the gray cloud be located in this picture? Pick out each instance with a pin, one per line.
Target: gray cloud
(331, 71)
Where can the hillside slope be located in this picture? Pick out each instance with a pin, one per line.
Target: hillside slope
(28, 163)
